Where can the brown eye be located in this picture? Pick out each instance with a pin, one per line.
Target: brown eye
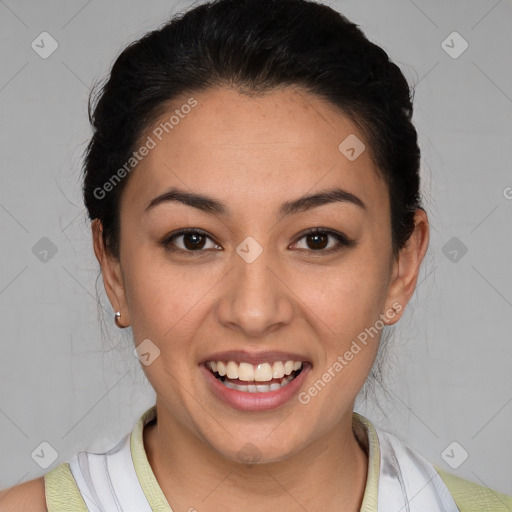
(193, 241)
(190, 240)
(319, 240)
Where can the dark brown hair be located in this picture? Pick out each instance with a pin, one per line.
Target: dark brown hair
(255, 45)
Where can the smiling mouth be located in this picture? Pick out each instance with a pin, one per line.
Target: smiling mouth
(261, 378)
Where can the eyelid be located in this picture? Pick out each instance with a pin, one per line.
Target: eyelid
(167, 240)
(343, 240)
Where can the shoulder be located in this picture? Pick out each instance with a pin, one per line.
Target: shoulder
(471, 496)
(28, 496)
(401, 463)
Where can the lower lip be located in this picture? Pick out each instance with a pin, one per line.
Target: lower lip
(254, 401)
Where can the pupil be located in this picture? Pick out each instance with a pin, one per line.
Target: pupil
(317, 240)
(196, 243)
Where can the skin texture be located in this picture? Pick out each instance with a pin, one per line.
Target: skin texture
(253, 153)
(28, 496)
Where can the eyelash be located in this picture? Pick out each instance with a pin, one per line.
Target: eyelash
(343, 241)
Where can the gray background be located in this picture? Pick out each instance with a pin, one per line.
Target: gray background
(67, 380)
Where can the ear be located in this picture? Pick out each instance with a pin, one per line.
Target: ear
(112, 274)
(406, 268)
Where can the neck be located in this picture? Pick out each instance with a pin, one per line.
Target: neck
(328, 474)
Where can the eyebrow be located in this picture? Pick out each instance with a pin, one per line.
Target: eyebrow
(212, 206)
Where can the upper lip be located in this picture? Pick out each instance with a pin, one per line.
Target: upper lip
(243, 356)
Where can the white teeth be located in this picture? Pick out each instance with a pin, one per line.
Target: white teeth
(263, 372)
(221, 368)
(278, 370)
(288, 367)
(232, 370)
(247, 372)
(260, 388)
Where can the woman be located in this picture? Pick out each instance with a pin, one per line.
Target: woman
(253, 186)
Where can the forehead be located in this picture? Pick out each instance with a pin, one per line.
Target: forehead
(266, 148)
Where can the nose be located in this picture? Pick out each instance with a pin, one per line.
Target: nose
(256, 299)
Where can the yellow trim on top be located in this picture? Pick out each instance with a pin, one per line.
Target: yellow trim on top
(62, 493)
(147, 479)
(159, 503)
(371, 492)
(471, 497)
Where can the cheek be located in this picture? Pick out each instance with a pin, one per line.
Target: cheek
(344, 306)
(164, 300)
(346, 298)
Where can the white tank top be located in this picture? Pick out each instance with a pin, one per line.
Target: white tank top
(108, 481)
(399, 479)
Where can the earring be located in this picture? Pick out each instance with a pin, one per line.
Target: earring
(117, 316)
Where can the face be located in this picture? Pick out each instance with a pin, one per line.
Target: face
(250, 282)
